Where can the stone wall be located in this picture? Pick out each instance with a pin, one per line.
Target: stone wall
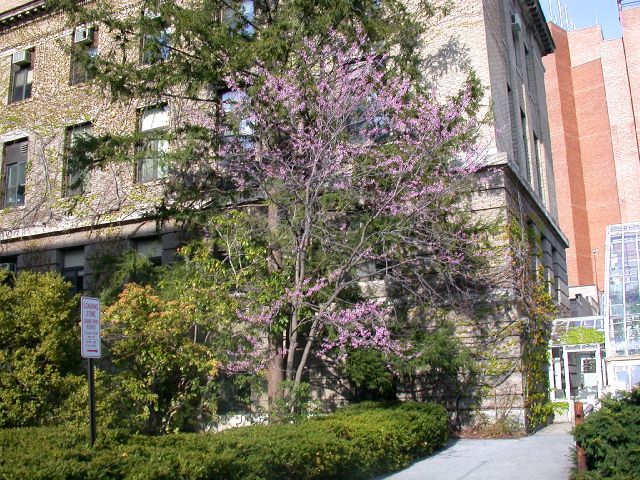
(519, 184)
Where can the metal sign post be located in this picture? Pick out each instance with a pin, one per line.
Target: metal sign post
(91, 347)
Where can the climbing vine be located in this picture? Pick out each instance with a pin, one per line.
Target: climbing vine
(539, 310)
(535, 356)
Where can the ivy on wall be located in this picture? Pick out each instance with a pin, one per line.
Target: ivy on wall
(538, 310)
(535, 356)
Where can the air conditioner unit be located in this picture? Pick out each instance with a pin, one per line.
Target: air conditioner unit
(21, 58)
(83, 34)
(516, 22)
(8, 266)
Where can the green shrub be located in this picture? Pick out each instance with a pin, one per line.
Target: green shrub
(611, 439)
(39, 348)
(367, 370)
(353, 443)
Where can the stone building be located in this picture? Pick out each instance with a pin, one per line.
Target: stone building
(54, 217)
(45, 102)
(504, 42)
(593, 93)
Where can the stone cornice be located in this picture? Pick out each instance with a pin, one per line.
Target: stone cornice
(541, 29)
(22, 12)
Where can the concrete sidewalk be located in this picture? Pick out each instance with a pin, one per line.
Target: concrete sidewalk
(547, 455)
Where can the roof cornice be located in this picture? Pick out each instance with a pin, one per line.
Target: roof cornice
(541, 29)
(22, 12)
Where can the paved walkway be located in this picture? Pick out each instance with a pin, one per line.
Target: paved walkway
(547, 455)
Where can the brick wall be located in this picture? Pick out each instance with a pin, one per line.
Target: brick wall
(593, 115)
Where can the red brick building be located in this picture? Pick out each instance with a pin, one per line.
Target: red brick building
(593, 97)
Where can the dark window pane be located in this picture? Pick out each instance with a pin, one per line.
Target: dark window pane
(76, 170)
(75, 276)
(15, 172)
(21, 82)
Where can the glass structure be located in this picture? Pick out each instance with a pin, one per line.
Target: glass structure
(622, 304)
(577, 370)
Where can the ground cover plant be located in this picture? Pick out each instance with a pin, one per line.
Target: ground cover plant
(611, 439)
(356, 442)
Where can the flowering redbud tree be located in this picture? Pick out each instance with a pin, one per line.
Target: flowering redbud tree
(356, 180)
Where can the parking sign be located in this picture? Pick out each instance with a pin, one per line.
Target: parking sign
(90, 327)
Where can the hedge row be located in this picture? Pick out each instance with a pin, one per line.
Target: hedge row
(611, 440)
(357, 442)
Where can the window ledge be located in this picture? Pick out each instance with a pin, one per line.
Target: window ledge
(20, 102)
(151, 182)
(13, 208)
(80, 84)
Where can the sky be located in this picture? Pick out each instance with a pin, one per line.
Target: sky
(583, 13)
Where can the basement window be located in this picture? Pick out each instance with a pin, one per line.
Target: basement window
(73, 268)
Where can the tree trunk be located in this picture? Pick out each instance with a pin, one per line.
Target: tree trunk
(275, 376)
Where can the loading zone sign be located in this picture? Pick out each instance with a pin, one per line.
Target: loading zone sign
(90, 327)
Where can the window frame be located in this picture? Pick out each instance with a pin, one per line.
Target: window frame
(78, 74)
(232, 17)
(524, 126)
(156, 260)
(21, 159)
(85, 174)
(161, 51)
(245, 129)
(76, 273)
(27, 87)
(159, 170)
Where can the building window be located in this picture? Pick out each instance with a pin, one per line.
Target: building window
(513, 123)
(154, 123)
(516, 45)
(240, 16)
(556, 275)
(9, 263)
(525, 144)
(85, 48)
(156, 47)
(73, 268)
(150, 248)
(236, 127)
(541, 169)
(21, 75)
(15, 165)
(531, 75)
(76, 172)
